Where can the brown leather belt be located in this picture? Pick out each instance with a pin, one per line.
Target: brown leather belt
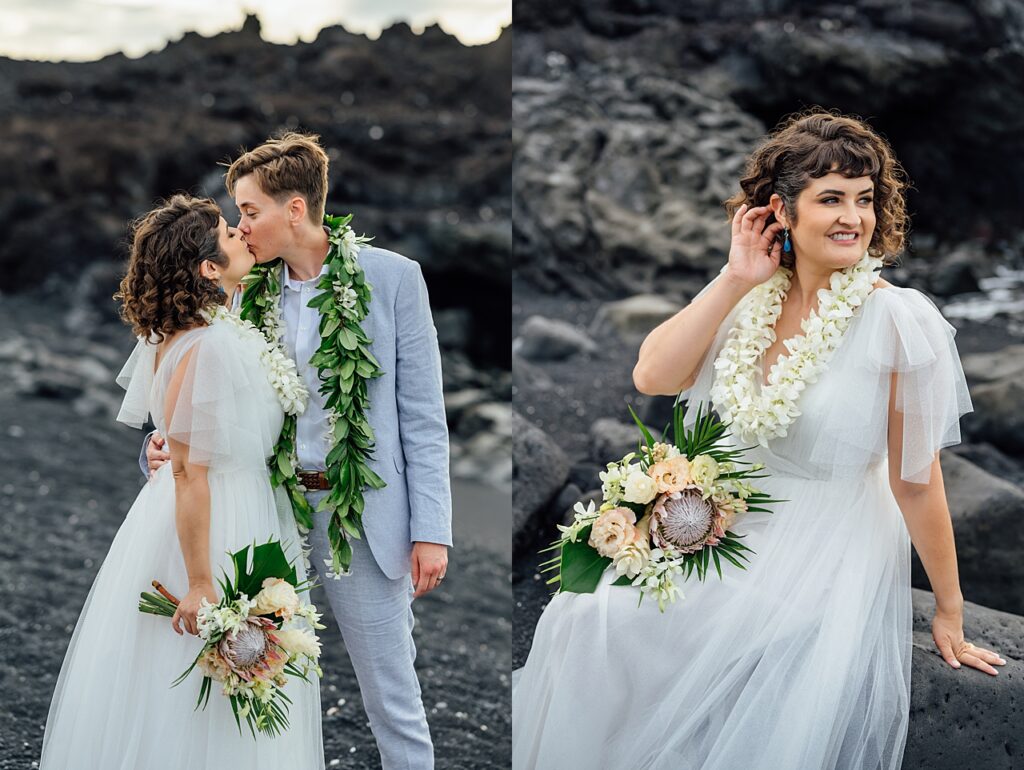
(313, 480)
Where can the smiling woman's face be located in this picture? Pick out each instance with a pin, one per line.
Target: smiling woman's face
(835, 219)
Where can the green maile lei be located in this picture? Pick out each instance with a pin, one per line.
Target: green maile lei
(344, 365)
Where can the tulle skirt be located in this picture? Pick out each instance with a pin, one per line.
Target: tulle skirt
(801, 661)
(113, 706)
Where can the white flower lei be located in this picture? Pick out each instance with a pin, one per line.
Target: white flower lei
(764, 412)
(291, 390)
(344, 364)
(345, 297)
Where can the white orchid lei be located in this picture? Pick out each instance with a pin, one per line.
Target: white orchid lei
(344, 364)
(281, 371)
(762, 412)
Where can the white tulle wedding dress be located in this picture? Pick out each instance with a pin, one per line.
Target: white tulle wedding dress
(802, 661)
(113, 706)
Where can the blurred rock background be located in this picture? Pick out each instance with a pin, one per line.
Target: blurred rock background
(418, 130)
(417, 127)
(632, 121)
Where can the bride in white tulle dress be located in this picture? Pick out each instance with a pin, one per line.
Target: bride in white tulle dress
(209, 392)
(803, 660)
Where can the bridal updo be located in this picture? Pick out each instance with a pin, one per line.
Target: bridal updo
(810, 145)
(162, 291)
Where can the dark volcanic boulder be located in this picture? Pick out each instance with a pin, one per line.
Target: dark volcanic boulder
(416, 126)
(988, 524)
(611, 440)
(1005, 363)
(540, 469)
(633, 119)
(997, 416)
(547, 339)
(964, 718)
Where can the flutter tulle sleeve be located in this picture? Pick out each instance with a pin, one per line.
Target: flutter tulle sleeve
(931, 389)
(204, 402)
(136, 377)
(904, 343)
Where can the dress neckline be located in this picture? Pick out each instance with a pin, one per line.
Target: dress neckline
(765, 374)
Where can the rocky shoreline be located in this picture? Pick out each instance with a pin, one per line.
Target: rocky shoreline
(423, 162)
(632, 121)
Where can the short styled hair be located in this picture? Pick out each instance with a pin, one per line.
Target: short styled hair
(290, 164)
(162, 291)
(811, 144)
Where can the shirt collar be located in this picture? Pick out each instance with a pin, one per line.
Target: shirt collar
(294, 283)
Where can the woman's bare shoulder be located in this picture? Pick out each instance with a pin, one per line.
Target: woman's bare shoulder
(881, 283)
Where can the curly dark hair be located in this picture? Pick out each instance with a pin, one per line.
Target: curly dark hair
(808, 145)
(162, 291)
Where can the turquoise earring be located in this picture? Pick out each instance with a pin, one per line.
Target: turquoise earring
(786, 245)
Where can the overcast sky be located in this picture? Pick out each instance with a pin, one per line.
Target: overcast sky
(80, 30)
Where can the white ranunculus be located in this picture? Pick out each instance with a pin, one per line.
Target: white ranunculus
(631, 559)
(704, 470)
(295, 641)
(639, 488)
(278, 597)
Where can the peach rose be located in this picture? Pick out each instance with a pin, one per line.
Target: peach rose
(670, 475)
(613, 530)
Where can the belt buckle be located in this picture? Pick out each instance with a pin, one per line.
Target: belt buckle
(310, 479)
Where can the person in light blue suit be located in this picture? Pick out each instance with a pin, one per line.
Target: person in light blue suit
(280, 188)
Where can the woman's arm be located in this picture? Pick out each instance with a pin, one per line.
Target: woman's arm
(928, 521)
(670, 355)
(192, 517)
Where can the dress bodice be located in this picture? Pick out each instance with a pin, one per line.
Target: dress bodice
(226, 410)
(841, 432)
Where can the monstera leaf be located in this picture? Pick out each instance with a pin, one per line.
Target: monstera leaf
(268, 560)
(581, 566)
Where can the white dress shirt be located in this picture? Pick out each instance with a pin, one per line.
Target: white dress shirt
(301, 340)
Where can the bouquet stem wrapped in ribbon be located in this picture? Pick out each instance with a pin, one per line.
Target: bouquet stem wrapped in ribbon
(252, 645)
(668, 510)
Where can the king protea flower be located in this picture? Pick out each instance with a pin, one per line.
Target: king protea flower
(251, 651)
(685, 521)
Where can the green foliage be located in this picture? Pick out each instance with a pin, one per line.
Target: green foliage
(344, 365)
(577, 567)
(581, 566)
(268, 560)
(251, 566)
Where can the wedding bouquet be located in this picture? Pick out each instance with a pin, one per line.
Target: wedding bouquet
(252, 643)
(667, 512)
